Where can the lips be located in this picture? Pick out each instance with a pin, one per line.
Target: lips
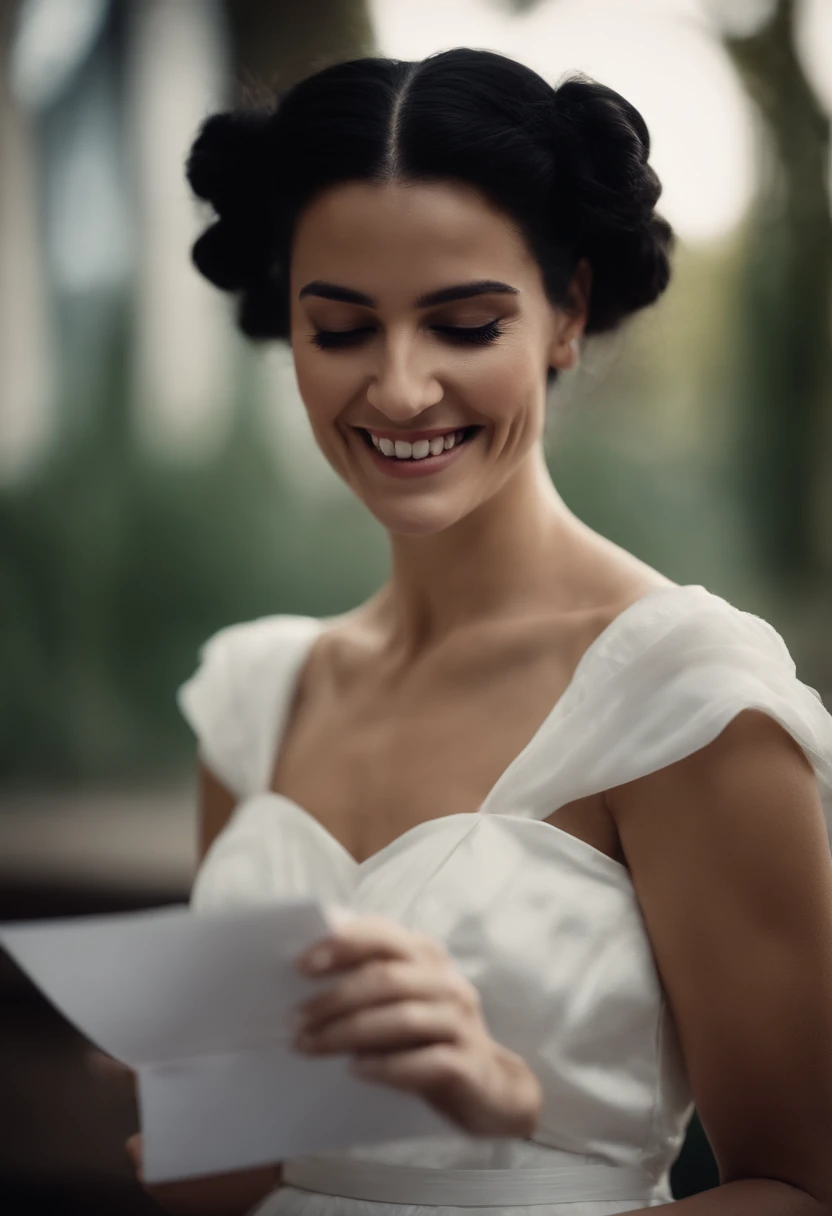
(414, 467)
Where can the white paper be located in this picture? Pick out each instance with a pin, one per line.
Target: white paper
(196, 1003)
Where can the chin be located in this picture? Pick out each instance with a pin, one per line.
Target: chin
(419, 521)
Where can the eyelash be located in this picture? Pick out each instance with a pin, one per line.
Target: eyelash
(329, 339)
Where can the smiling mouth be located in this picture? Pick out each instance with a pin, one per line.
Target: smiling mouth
(468, 432)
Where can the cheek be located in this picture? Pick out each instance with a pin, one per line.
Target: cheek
(505, 388)
(324, 386)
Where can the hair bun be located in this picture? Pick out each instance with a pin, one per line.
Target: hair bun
(230, 166)
(226, 165)
(601, 145)
(605, 195)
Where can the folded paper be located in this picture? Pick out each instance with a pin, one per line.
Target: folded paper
(197, 1004)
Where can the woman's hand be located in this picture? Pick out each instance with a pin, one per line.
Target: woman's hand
(414, 1022)
(217, 1195)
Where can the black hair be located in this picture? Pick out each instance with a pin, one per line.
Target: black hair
(567, 164)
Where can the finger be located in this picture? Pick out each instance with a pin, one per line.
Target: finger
(422, 1070)
(384, 980)
(397, 1026)
(441, 1074)
(361, 937)
(451, 1080)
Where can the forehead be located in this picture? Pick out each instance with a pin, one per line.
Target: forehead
(411, 234)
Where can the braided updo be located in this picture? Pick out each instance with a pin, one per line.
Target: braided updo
(567, 164)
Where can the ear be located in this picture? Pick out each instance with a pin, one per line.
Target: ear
(565, 349)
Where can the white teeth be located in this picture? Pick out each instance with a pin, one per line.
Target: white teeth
(402, 450)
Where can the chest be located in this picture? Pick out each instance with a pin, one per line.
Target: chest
(370, 758)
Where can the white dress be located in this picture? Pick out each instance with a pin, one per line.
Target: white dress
(547, 927)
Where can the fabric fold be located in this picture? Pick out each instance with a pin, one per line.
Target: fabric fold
(686, 677)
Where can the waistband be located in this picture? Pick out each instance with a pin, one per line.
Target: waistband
(385, 1182)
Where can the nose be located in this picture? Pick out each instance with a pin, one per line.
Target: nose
(405, 384)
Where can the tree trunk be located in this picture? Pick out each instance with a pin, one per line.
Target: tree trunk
(784, 366)
(276, 42)
(27, 386)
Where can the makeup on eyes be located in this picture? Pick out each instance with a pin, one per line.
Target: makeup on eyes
(453, 330)
(463, 335)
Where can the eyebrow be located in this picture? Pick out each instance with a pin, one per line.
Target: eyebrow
(459, 291)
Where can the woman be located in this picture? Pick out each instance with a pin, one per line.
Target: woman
(577, 809)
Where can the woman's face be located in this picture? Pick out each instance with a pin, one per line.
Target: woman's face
(374, 353)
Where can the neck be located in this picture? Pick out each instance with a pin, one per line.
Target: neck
(517, 551)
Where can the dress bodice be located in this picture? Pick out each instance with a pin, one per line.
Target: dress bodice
(547, 927)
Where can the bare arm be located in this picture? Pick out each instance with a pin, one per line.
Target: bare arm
(730, 862)
(215, 804)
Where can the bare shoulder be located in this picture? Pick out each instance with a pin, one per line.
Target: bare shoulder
(621, 581)
(344, 650)
(607, 572)
(346, 641)
(634, 587)
(608, 581)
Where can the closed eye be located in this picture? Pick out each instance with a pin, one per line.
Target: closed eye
(327, 339)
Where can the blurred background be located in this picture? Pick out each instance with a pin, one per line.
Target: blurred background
(158, 478)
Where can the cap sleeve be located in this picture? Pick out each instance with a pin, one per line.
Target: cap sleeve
(677, 676)
(236, 697)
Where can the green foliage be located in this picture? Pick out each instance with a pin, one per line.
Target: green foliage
(114, 568)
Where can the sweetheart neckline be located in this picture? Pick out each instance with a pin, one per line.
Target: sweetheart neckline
(290, 683)
(380, 855)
